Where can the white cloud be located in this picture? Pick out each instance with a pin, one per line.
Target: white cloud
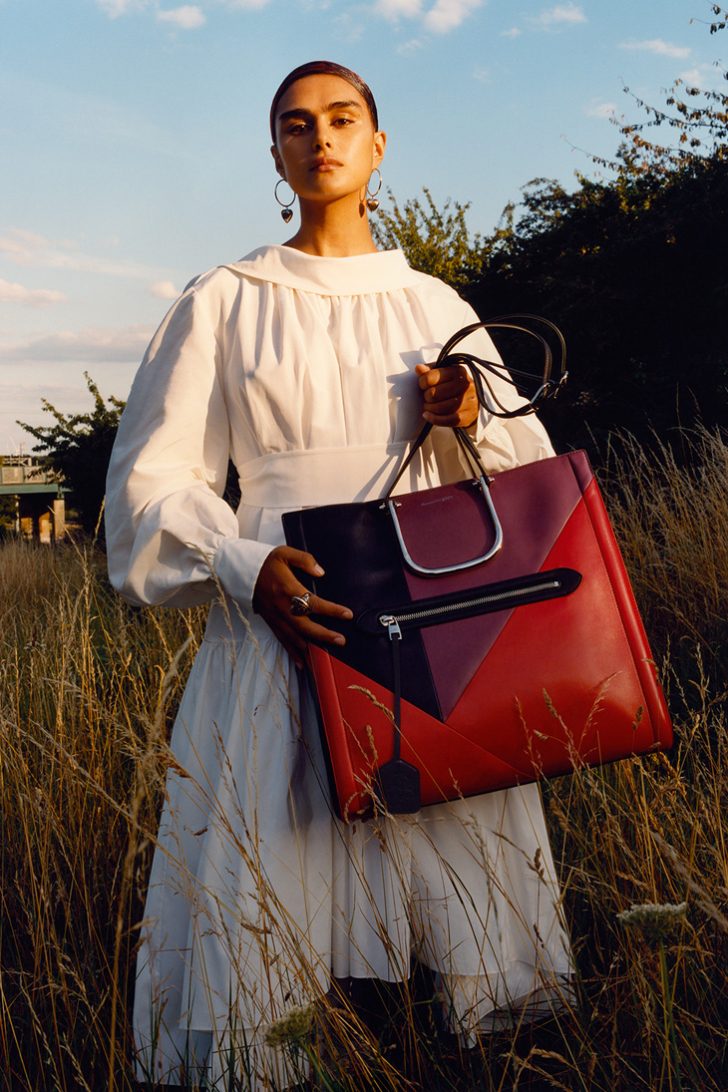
(694, 77)
(120, 345)
(659, 46)
(514, 32)
(601, 110)
(188, 17)
(394, 9)
(115, 8)
(561, 14)
(410, 46)
(11, 292)
(164, 290)
(445, 15)
(706, 76)
(482, 74)
(440, 17)
(252, 5)
(25, 248)
(348, 27)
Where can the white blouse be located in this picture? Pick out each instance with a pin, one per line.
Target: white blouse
(300, 369)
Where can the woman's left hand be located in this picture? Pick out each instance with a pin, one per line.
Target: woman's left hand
(449, 396)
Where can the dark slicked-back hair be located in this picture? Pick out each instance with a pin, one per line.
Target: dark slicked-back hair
(324, 68)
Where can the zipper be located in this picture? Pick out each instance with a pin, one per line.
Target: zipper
(393, 631)
(392, 621)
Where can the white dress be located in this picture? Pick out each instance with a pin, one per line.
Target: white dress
(301, 369)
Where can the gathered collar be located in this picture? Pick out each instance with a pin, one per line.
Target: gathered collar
(361, 274)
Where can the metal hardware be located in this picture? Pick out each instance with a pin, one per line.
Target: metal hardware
(372, 199)
(393, 631)
(286, 210)
(498, 542)
(301, 605)
(391, 620)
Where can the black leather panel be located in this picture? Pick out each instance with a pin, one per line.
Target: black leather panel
(355, 545)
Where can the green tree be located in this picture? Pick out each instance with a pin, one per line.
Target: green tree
(78, 446)
(435, 241)
(7, 515)
(634, 273)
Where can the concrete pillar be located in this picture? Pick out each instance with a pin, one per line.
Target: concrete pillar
(59, 519)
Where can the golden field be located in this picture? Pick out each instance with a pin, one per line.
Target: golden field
(88, 690)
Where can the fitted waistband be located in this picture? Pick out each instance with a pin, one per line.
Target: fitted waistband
(335, 475)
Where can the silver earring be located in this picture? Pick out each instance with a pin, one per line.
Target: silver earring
(286, 210)
(373, 198)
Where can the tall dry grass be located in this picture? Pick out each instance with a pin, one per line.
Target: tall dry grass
(88, 687)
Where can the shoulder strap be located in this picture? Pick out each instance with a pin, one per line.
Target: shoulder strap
(479, 370)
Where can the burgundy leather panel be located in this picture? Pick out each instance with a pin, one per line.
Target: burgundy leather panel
(582, 468)
(456, 650)
(447, 525)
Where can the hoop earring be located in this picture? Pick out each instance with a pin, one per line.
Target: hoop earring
(372, 199)
(286, 209)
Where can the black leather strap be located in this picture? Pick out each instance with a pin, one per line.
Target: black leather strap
(415, 446)
(397, 691)
(479, 370)
(398, 782)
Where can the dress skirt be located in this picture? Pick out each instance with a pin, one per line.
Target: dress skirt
(259, 895)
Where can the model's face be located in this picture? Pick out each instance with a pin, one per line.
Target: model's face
(326, 146)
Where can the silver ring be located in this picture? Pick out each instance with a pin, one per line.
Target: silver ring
(301, 604)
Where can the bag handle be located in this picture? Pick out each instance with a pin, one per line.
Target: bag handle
(483, 482)
(478, 369)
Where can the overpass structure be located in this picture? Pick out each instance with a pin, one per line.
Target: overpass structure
(40, 511)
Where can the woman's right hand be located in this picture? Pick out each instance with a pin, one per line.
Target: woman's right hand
(274, 590)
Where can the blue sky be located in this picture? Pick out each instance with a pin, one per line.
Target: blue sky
(135, 144)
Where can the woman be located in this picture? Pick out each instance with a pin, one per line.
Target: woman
(307, 364)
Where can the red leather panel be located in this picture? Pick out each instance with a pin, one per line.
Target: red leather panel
(597, 722)
(635, 630)
(529, 531)
(449, 764)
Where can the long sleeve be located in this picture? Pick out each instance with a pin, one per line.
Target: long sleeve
(170, 536)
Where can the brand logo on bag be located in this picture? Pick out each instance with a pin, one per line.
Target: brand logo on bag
(437, 500)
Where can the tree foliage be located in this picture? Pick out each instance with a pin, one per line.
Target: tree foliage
(7, 515)
(435, 241)
(78, 446)
(634, 272)
(689, 127)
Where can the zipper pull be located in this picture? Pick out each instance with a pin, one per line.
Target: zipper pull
(393, 631)
(395, 636)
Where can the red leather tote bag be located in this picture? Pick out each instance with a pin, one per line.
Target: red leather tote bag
(495, 638)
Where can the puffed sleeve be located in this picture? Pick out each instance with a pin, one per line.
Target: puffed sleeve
(171, 538)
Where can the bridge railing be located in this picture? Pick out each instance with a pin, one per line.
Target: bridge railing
(25, 469)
